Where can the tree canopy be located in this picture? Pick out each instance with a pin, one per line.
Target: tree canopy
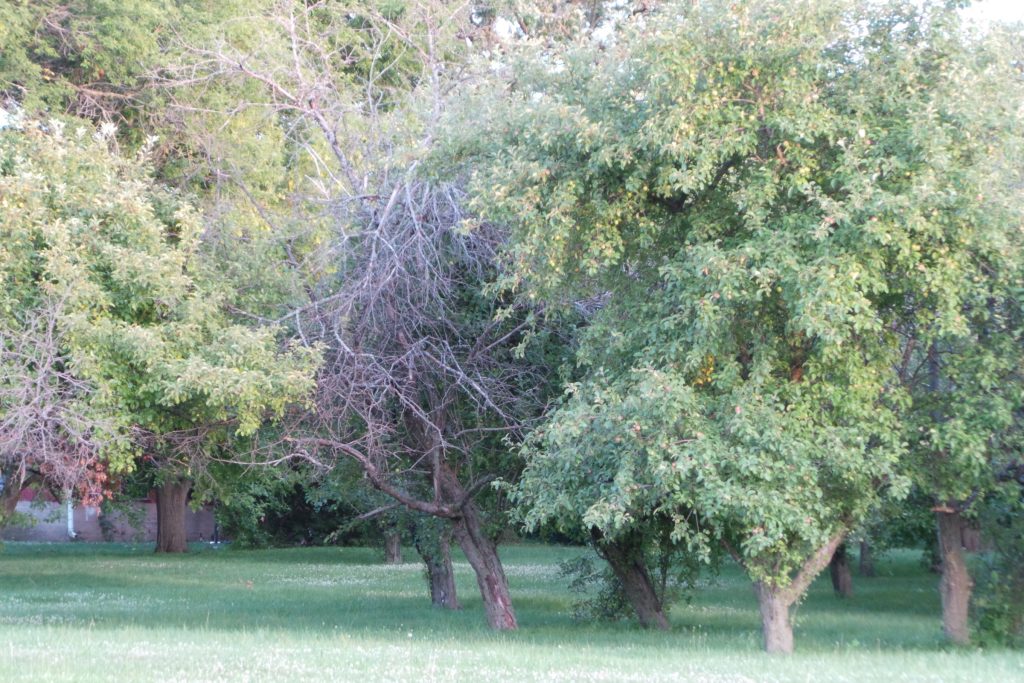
(770, 196)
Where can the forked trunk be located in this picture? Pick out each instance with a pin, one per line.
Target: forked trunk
(866, 564)
(482, 556)
(956, 585)
(626, 559)
(775, 623)
(171, 500)
(436, 553)
(393, 547)
(839, 568)
(775, 600)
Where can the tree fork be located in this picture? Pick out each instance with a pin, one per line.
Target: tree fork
(775, 601)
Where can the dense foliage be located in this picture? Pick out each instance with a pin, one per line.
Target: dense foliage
(682, 281)
(784, 203)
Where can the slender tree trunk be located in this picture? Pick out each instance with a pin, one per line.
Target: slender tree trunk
(436, 552)
(956, 585)
(626, 559)
(866, 560)
(392, 547)
(482, 556)
(775, 623)
(171, 500)
(839, 568)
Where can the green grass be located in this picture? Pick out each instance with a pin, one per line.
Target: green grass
(120, 613)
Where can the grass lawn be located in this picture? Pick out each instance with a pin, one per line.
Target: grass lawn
(81, 612)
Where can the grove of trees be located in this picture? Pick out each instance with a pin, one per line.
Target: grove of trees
(687, 282)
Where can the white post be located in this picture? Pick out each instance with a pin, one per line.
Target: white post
(69, 506)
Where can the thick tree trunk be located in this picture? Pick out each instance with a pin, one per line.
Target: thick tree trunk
(436, 553)
(9, 500)
(13, 485)
(956, 585)
(480, 551)
(866, 561)
(971, 536)
(775, 623)
(775, 601)
(393, 547)
(171, 500)
(482, 556)
(839, 568)
(626, 559)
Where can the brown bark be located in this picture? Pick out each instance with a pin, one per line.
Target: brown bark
(971, 537)
(9, 500)
(14, 484)
(482, 556)
(171, 500)
(775, 624)
(392, 547)
(955, 585)
(436, 554)
(625, 557)
(480, 551)
(866, 560)
(839, 568)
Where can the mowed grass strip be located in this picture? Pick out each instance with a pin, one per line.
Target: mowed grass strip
(75, 612)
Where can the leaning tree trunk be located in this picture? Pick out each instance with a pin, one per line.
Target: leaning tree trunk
(393, 547)
(434, 548)
(482, 555)
(956, 585)
(626, 559)
(775, 623)
(839, 568)
(866, 560)
(171, 501)
(480, 552)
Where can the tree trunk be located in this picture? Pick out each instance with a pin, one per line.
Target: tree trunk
(626, 559)
(434, 547)
(955, 585)
(839, 568)
(10, 495)
(9, 500)
(482, 556)
(393, 547)
(171, 500)
(775, 623)
(866, 561)
(775, 601)
(971, 536)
